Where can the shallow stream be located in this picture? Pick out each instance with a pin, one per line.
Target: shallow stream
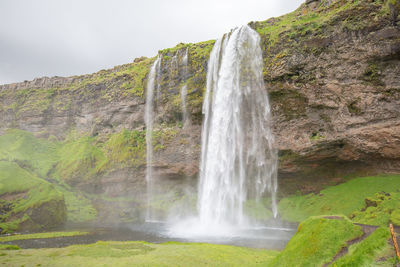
(261, 237)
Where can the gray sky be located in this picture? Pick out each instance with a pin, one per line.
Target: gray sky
(69, 37)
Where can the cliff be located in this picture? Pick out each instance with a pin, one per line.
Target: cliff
(331, 70)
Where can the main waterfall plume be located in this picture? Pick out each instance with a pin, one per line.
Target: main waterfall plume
(238, 160)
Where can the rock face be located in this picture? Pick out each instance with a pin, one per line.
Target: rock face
(332, 71)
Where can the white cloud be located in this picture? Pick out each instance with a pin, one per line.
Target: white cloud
(69, 37)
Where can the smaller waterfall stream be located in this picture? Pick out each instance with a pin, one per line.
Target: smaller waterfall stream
(149, 121)
(184, 89)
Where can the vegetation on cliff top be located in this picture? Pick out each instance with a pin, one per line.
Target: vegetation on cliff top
(310, 31)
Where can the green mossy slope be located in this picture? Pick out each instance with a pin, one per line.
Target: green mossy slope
(351, 199)
(367, 252)
(37, 157)
(28, 202)
(79, 159)
(317, 241)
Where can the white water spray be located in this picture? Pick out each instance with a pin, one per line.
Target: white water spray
(149, 121)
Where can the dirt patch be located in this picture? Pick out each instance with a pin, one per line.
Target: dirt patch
(13, 196)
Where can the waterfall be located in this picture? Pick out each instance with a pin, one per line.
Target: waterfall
(149, 120)
(238, 159)
(184, 89)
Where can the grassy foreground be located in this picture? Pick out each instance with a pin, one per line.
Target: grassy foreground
(138, 254)
(321, 241)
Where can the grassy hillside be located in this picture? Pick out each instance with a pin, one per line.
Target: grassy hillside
(28, 202)
(317, 241)
(336, 242)
(80, 158)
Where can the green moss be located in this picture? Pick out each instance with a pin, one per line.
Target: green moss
(345, 198)
(290, 102)
(25, 192)
(125, 149)
(141, 254)
(365, 252)
(28, 151)
(8, 247)
(380, 209)
(137, 73)
(79, 207)
(198, 55)
(34, 100)
(372, 75)
(40, 235)
(163, 135)
(300, 23)
(315, 136)
(78, 159)
(37, 157)
(395, 216)
(317, 241)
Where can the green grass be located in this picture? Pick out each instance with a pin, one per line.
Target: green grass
(140, 254)
(345, 198)
(8, 247)
(365, 252)
(40, 235)
(383, 208)
(317, 241)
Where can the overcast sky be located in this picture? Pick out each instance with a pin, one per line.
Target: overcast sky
(69, 37)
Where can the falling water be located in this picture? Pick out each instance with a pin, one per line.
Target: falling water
(149, 120)
(184, 89)
(238, 160)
